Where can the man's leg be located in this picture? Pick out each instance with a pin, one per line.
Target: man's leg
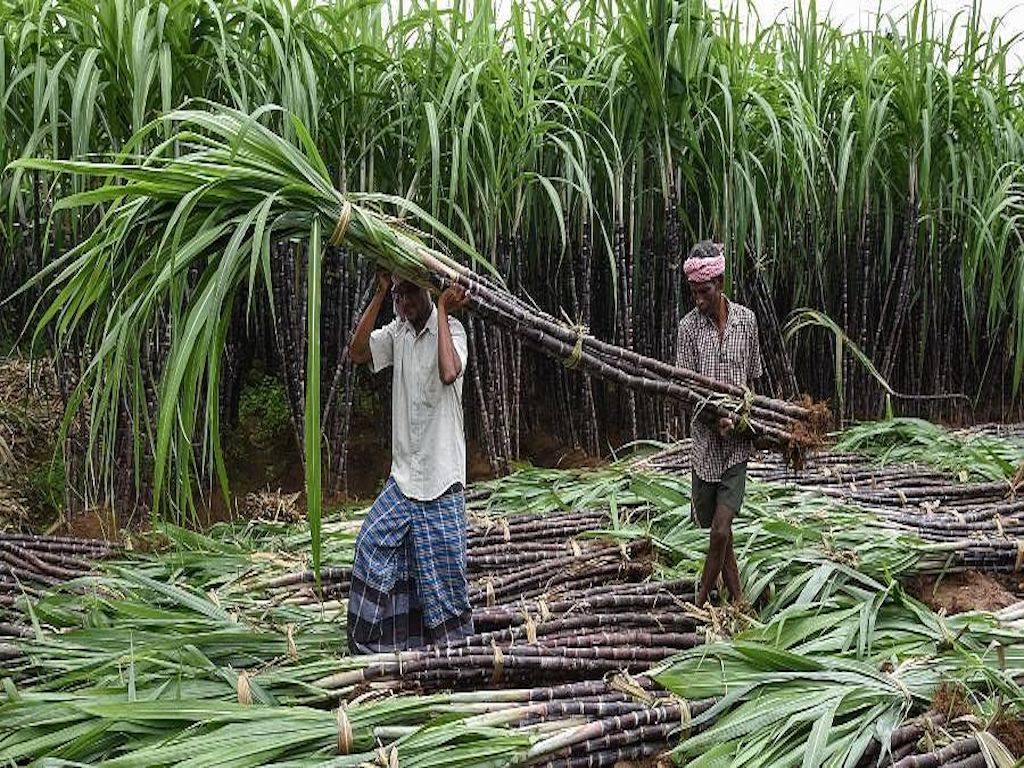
(730, 495)
(439, 553)
(380, 592)
(731, 572)
(721, 539)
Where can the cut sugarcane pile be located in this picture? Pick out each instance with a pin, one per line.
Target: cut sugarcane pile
(569, 667)
(30, 563)
(550, 604)
(980, 524)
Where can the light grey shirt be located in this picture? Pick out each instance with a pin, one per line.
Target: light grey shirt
(735, 358)
(428, 446)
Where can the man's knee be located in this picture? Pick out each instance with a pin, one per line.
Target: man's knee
(720, 536)
(721, 525)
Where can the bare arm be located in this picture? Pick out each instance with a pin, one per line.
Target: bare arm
(449, 366)
(359, 346)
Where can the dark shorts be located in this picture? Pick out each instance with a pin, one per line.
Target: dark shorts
(728, 492)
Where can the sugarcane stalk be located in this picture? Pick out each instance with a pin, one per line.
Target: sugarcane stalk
(956, 750)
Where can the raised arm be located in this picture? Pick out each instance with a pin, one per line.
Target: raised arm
(449, 365)
(359, 346)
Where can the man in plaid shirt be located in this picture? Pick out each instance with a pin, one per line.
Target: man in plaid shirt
(718, 339)
(409, 585)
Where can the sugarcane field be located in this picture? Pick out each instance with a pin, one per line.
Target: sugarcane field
(485, 383)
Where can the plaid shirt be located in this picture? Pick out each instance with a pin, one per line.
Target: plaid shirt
(733, 359)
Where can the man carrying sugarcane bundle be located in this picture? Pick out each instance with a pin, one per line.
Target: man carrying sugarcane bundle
(717, 339)
(409, 585)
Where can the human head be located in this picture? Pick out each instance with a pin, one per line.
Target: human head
(705, 274)
(412, 302)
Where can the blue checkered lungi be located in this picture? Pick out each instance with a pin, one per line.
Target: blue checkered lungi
(409, 585)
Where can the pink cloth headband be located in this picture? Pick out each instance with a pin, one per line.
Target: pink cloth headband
(701, 270)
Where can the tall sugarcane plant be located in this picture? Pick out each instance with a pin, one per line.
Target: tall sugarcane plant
(212, 199)
(190, 235)
(873, 176)
(577, 107)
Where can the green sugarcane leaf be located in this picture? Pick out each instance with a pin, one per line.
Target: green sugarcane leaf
(817, 742)
(312, 397)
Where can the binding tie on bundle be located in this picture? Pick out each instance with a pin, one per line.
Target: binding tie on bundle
(577, 351)
(388, 758)
(743, 411)
(289, 632)
(529, 625)
(902, 497)
(542, 606)
(499, 664)
(623, 682)
(341, 226)
(1017, 481)
(684, 717)
(929, 732)
(344, 731)
(489, 591)
(1020, 556)
(243, 690)
(531, 629)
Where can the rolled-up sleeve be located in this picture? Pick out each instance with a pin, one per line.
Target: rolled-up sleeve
(382, 346)
(459, 342)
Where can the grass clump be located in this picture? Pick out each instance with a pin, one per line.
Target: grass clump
(44, 487)
(263, 411)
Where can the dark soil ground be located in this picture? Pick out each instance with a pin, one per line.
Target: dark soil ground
(1011, 733)
(968, 590)
(951, 701)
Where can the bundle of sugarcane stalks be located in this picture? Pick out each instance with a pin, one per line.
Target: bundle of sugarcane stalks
(581, 635)
(30, 563)
(792, 426)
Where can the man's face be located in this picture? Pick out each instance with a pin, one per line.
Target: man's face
(705, 295)
(411, 302)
